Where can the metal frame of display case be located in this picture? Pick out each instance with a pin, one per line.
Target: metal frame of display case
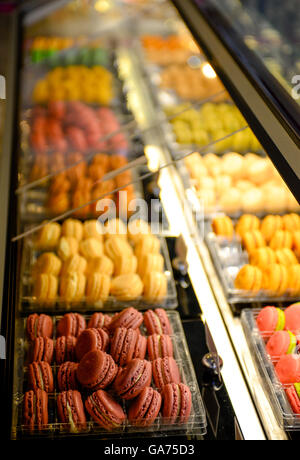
(270, 111)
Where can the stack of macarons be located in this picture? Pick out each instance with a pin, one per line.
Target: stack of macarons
(90, 262)
(109, 369)
(273, 248)
(281, 330)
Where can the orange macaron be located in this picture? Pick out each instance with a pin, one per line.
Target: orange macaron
(253, 240)
(262, 257)
(282, 239)
(270, 225)
(276, 279)
(223, 226)
(249, 278)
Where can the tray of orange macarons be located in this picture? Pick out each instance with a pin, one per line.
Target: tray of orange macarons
(92, 265)
(258, 260)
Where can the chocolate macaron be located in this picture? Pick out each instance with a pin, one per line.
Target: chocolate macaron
(42, 349)
(145, 409)
(177, 403)
(40, 377)
(165, 370)
(157, 322)
(89, 340)
(39, 326)
(71, 411)
(105, 411)
(97, 370)
(126, 345)
(129, 318)
(159, 346)
(71, 324)
(35, 410)
(133, 379)
(65, 349)
(67, 376)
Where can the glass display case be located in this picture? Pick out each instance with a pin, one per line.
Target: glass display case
(135, 143)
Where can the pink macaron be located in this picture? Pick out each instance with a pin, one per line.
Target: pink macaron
(292, 316)
(270, 320)
(281, 343)
(288, 369)
(165, 370)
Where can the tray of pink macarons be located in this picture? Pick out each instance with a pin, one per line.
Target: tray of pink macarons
(273, 336)
(105, 375)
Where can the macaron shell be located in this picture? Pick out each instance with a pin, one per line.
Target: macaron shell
(288, 369)
(105, 410)
(293, 398)
(140, 348)
(71, 324)
(99, 320)
(164, 321)
(292, 315)
(91, 339)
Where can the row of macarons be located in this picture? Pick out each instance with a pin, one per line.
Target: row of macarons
(123, 343)
(280, 329)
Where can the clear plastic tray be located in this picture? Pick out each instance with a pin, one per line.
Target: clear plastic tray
(286, 418)
(229, 258)
(196, 424)
(30, 303)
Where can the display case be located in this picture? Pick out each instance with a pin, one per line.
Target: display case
(135, 111)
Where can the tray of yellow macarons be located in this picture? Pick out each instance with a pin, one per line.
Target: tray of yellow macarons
(88, 265)
(235, 184)
(258, 260)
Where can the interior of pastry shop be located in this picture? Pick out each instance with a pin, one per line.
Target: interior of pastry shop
(150, 222)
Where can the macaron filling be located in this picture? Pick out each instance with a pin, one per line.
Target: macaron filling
(297, 388)
(281, 320)
(293, 343)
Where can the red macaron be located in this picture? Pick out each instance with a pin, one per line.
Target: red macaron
(97, 370)
(129, 318)
(89, 340)
(67, 376)
(126, 345)
(145, 409)
(99, 321)
(105, 411)
(65, 349)
(165, 370)
(42, 349)
(35, 410)
(157, 322)
(160, 346)
(40, 376)
(133, 379)
(39, 326)
(177, 403)
(71, 324)
(71, 411)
